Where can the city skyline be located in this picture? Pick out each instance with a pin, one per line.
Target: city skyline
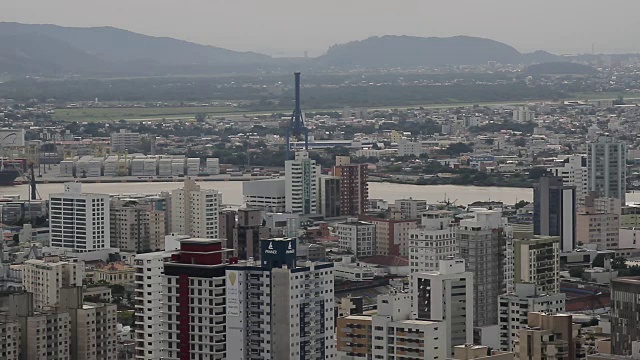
(270, 28)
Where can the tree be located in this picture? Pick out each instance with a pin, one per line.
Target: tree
(520, 142)
(201, 117)
(522, 203)
(117, 290)
(537, 172)
(576, 272)
(598, 261)
(458, 148)
(618, 263)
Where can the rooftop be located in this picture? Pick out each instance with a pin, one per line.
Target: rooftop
(201, 241)
(635, 280)
(358, 317)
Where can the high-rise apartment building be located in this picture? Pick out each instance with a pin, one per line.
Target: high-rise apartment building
(409, 148)
(194, 300)
(276, 309)
(148, 301)
(625, 307)
(411, 208)
(79, 222)
(554, 211)
(523, 114)
(574, 172)
(33, 334)
(548, 336)
(73, 329)
(392, 332)
(227, 222)
(267, 195)
(136, 228)
(482, 243)
(93, 326)
(392, 235)
(45, 277)
(195, 211)
(358, 237)
(446, 295)
(537, 261)
(125, 140)
(514, 309)
(354, 189)
(248, 233)
(330, 196)
(432, 241)
(607, 167)
(301, 184)
(10, 339)
(597, 225)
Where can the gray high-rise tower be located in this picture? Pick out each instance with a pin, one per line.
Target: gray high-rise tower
(482, 243)
(606, 162)
(554, 211)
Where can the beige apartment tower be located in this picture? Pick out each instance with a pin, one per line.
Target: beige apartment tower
(44, 278)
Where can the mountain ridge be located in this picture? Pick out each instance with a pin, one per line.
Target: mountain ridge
(108, 51)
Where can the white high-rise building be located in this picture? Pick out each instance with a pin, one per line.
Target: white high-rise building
(411, 208)
(523, 114)
(79, 222)
(514, 308)
(45, 277)
(397, 333)
(446, 295)
(267, 195)
(607, 168)
(409, 148)
(358, 237)
(574, 172)
(148, 294)
(392, 333)
(277, 310)
(301, 184)
(194, 300)
(195, 211)
(432, 241)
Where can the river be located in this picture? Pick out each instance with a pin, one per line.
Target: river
(232, 191)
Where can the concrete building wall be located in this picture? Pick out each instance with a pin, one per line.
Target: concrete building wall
(148, 310)
(79, 222)
(446, 295)
(625, 306)
(537, 260)
(44, 278)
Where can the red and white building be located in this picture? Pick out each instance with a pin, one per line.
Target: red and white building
(354, 190)
(194, 301)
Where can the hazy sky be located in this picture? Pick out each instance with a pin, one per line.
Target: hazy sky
(292, 26)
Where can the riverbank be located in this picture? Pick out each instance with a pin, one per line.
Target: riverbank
(143, 179)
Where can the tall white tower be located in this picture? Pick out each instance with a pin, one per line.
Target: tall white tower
(301, 184)
(79, 222)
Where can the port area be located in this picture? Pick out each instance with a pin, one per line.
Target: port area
(51, 176)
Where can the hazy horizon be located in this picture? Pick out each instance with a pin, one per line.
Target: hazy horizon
(285, 28)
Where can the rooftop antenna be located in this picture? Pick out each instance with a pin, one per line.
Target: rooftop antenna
(296, 125)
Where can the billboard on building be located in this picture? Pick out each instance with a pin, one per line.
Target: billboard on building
(11, 137)
(233, 293)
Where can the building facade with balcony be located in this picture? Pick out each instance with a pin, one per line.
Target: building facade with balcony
(194, 300)
(276, 309)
